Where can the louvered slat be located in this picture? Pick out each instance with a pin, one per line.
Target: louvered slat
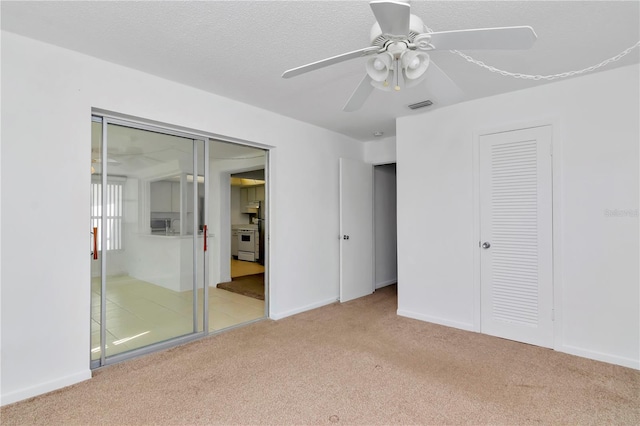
(514, 223)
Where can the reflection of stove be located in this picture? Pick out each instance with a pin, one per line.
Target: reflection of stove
(247, 244)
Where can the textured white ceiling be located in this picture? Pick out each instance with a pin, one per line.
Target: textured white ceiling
(239, 49)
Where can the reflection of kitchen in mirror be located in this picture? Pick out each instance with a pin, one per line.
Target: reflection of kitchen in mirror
(154, 259)
(171, 205)
(145, 284)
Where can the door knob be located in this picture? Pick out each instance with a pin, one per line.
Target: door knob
(486, 245)
(345, 237)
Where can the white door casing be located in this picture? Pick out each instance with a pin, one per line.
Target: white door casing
(516, 246)
(356, 229)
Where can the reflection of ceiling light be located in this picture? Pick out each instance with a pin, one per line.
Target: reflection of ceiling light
(126, 339)
(119, 342)
(378, 134)
(110, 162)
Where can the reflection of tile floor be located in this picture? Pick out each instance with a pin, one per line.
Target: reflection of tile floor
(140, 313)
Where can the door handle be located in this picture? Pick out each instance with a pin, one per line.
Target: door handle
(345, 237)
(95, 243)
(486, 245)
(205, 230)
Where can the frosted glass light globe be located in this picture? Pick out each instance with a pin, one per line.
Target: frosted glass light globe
(378, 65)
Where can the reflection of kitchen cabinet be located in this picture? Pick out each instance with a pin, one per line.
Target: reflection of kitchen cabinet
(190, 195)
(164, 196)
(175, 197)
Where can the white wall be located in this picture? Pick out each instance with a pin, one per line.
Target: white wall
(385, 221)
(48, 95)
(380, 151)
(595, 122)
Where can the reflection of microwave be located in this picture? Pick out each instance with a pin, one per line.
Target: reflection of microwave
(158, 225)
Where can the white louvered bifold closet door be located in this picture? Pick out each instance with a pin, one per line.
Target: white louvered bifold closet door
(516, 235)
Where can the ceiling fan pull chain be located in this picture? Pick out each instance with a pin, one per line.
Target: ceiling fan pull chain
(546, 77)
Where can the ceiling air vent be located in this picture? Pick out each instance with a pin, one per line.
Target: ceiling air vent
(421, 104)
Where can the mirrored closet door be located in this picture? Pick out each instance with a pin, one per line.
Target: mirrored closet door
(148, 232)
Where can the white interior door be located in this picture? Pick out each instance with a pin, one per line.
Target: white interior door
(356, 229)
(516, 235)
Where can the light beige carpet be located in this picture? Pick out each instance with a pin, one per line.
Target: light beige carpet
(352, 363)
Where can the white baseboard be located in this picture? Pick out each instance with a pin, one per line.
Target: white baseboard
(600, 356)
(19, 395)
(386, 283)
(572, 350)
(280, 315)
(436, 320)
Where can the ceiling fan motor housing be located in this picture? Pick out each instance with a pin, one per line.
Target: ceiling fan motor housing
(416, 26)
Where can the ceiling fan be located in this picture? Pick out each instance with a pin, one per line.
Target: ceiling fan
(399, 42)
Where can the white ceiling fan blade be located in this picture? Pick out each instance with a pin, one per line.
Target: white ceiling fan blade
(484, 38)
(360, 95)
(393, 17)
(330, 61)
(441, 87)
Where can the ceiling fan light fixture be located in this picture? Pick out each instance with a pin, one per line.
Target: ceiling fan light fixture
(398, 44)
(414, 66)
(379, 66)
(391, 82)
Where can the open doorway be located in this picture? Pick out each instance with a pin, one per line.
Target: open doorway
(248, 214)
(240, 197)
(385, 225)
(248, 210)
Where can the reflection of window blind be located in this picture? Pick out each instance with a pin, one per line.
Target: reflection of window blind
(113, 229)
